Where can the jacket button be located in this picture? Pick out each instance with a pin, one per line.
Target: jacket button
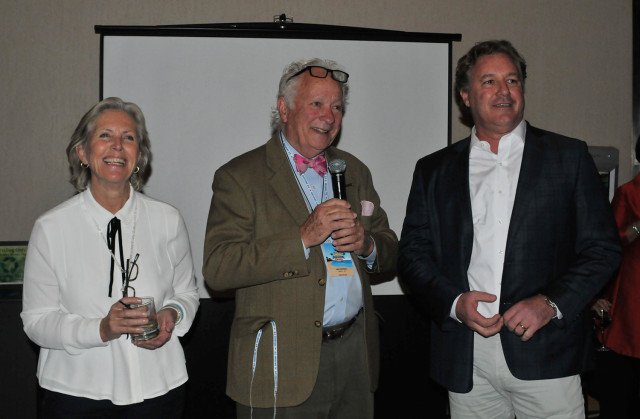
(287, 274)
(295, 272)
(318, 324)
(322, 282)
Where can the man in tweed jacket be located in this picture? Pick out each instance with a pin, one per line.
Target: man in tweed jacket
(272, 214)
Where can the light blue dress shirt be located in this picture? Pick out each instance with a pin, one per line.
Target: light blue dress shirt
(343, 295)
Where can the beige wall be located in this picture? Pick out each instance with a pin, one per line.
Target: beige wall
(578, 54)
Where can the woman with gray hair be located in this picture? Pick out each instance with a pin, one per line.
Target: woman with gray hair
(97, 356)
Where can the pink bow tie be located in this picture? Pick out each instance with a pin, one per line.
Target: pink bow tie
(318, 163)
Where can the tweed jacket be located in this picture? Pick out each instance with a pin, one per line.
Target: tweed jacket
(253, 245)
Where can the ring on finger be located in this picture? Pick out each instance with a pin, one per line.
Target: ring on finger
(524, 328)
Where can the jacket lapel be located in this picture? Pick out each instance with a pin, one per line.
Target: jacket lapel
(351, 189)
(530, 173)
(283, 183)
(460, 188)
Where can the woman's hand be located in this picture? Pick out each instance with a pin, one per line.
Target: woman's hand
(632, 231)
(122, 319)
(601, 305)
(166, 323)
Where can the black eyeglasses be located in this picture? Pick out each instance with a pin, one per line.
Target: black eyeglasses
(131, 274)
(321, 73)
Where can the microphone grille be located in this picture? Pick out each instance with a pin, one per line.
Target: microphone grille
(337, 166)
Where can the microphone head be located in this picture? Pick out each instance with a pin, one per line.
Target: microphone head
(337, 166)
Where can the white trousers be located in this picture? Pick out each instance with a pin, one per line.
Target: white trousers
(497, 394)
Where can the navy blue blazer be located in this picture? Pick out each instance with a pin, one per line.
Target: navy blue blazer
(562, 243)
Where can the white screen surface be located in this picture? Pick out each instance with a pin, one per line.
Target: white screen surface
(209, 99)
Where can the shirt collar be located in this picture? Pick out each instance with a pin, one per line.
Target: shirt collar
(288, 148)
(103, 216)
(519, 132)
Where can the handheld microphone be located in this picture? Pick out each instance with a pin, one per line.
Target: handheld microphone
(337, 168)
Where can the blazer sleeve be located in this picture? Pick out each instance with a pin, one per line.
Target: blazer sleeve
(377, 225)
(597, 247)
(421, 253)
(244, 245)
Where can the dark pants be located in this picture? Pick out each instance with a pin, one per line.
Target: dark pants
(616, 383)
(342, 388)
(62, 406)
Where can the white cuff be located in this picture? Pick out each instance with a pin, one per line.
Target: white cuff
(177, 309)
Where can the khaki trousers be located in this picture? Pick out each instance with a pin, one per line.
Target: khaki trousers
(497, 394)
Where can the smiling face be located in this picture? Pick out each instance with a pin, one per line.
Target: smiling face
(495, 96)
(313, 122)
(112, 150)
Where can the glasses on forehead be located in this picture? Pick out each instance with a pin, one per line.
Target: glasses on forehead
(321, 73)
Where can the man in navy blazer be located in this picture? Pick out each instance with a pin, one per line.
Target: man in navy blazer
(507, 237)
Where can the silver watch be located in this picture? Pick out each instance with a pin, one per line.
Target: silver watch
(553, 306)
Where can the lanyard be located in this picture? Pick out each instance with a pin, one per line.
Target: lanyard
(275, 366)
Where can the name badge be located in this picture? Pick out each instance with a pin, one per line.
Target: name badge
(338, 263)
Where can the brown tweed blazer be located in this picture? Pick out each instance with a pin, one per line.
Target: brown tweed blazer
(253, 245)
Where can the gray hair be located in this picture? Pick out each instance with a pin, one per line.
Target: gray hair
(80, 176)
(288, 87)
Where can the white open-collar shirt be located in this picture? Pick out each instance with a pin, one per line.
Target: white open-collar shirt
(493, 179)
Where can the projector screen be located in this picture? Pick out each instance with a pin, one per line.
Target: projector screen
(208, 98)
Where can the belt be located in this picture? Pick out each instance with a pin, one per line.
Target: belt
(336, 331)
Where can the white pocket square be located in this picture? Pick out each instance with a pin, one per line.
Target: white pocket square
(367, 208)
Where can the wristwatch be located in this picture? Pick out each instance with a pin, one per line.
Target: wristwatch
(553, 306)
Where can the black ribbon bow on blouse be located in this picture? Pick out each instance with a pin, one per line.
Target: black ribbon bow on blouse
(114, 230)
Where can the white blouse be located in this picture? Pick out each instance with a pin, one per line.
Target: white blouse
(66, 287)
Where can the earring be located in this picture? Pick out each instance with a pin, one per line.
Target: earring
(84, 165)
(136, 170)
